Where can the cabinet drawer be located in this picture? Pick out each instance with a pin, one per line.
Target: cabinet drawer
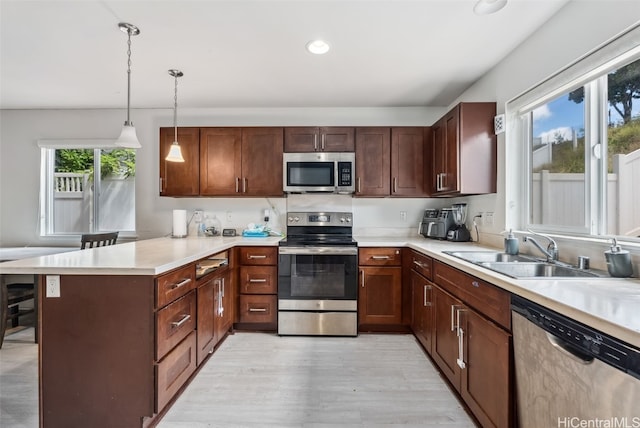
(174, 322)
(259, 256)
(384, 256)
(175, 369)
(422, 264)
(258, 309)
(175, 284)
(258, 279)
(486, 298)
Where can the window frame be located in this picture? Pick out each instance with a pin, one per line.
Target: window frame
(590, 71)
(47, 169)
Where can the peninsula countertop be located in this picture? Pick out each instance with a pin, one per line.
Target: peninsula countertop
(607, 304)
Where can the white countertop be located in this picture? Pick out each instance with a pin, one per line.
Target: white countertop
(607, 304)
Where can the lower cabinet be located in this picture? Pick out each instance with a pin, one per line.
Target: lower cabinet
(206, 319)
(422, 309)
(258, 288)
(474, 354)
(174, 369)
(223, 305)
(380, 295)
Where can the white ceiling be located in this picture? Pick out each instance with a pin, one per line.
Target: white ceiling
(241, 53)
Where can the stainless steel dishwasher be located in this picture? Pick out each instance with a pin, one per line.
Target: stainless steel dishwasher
(571, 375)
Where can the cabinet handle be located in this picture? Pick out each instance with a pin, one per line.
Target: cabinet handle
(418, 263)
(380, 257)
(259, 256)
(237, 184)
(222, 287)
(426, 288)
(359, 185)
(362, 276)
(439, 182)
(257, 310)
(180, 284)
(444, 181)
(453, 313)
(460, 359)
(258, 280)
(475, 284)
(161, 188)
(395, 184)
(315, 142)
(244, 185)
(185, 318)
(323, 137)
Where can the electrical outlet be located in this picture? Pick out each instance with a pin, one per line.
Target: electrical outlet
(229, 216)
(403, 215)
(198, 216)
(53, 285)
(488, 219)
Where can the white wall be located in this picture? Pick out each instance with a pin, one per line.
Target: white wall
(20, 162)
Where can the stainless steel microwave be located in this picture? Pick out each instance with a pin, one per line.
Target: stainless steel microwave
(319, 172)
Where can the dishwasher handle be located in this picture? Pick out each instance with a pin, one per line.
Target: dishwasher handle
(570, 351)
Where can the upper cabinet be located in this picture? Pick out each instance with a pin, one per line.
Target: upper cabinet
(223, 162)
(302, 139)
(464, 151)
(180, 178)
(391, 161)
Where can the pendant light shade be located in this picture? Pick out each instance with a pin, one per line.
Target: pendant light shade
(175, 154)
(128, 137)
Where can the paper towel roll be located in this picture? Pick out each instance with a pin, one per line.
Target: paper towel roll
(179, 223)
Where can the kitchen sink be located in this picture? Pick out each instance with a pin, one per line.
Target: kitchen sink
(536, 269)
(489, 256)
(518, 266)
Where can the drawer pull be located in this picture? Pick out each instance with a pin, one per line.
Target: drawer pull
(258, 280)
(420, 264)
(257, 310)
(380, 257)
(181, 283)
(475, 284)
(259, 256)
(185, 318)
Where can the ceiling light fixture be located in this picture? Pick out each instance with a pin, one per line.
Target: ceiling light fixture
(175, 154)
(128, 137)
(486, 7)
(318, 47)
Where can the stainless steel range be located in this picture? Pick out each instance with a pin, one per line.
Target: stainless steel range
(318, 275)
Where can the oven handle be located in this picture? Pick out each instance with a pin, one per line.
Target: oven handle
(325, 251)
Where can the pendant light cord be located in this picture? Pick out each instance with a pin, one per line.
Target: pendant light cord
(175, 110)
(128, 77)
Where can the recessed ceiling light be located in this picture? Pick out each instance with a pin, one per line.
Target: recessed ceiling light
(318, 47)
(485, 7)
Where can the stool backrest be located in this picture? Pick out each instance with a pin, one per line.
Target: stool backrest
(90, 240)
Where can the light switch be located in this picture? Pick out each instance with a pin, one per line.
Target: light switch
(53, 286)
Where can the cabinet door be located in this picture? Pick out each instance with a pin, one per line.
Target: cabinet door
(439, 155)
(335, 139)
(407, 162)
(223, 308)
(485, 380)
(262, 161)
(444, 349)
(450, 177)
(380, 299)
(205, 319)
(220, 161)
(180, 178)
(373, 157)
(301, 139)
(422, 319)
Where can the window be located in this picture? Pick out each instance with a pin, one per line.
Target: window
(86, 189)
(581, 134)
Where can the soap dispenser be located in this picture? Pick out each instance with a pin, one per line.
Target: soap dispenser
(618, 261)
(511, 243)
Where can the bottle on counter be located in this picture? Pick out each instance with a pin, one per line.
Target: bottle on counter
(618, 261)
(511, 243)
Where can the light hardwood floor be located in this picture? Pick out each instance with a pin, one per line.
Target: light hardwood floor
(262, 380)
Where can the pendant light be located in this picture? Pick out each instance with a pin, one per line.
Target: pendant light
(128, 137)
(175, 154)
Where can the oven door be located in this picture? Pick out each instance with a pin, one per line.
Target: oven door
(318, 273)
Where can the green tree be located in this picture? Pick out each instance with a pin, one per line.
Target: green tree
(116, 161)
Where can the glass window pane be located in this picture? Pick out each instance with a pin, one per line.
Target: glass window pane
(623, 151)
(558, 162)
(117, 195)
(72, 195)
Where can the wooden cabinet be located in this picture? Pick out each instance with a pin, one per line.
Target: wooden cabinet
(258, 288)
(180, 178)
(223, 304)
(380, 291)
(241, 161)
(421, 299)
(471, 348)
(390, 162)
(318, 139)
(464, 151)
(206, 298)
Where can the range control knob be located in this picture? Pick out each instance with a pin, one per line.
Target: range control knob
(348, 219)
(296, 219)
(289, 219)
(342, 219)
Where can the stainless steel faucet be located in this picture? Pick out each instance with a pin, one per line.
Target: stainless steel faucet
(551, 252)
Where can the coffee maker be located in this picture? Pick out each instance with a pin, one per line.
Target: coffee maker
(459, 232)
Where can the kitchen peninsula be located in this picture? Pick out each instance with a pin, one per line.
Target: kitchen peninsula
(102, 358)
